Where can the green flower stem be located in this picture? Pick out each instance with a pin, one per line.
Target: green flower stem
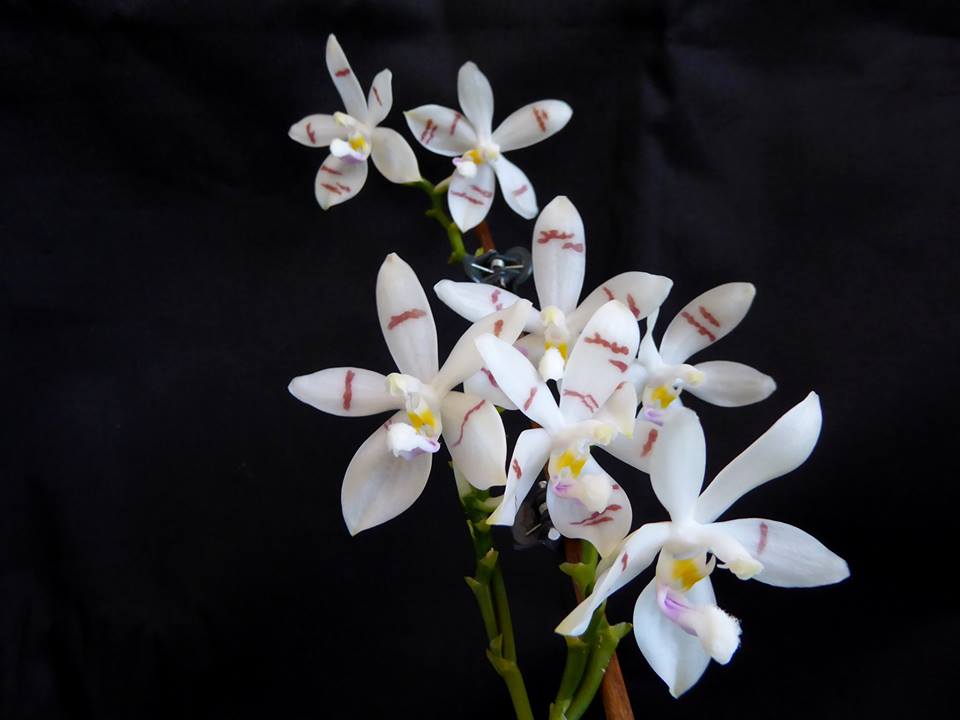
(437, 212)
(578, 652)
(604, 644)
(490, 591)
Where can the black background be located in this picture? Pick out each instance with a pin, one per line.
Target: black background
(170, 534)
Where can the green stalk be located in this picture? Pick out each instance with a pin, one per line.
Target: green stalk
(438, 213)
(605, 643)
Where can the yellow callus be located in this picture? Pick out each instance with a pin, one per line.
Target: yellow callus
(569, 459)
(688, 572)
(561, 348)
(359, 143)
(422, 418)
(664, 395)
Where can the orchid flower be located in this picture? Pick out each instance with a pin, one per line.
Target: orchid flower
(390, 470)
(677, 623)
(559, 248)
(596, 404)
(479, 153)
(353, 136)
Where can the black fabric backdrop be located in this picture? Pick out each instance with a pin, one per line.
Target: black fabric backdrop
(170, 534)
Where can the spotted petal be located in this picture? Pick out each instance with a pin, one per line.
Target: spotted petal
(605, 528)
(677, 463)
(380, 99)
(516, 188)
(559, 252)
(406, 319)
(379, 486)
(599, 361)
(482, 384)
(317, 131)
(637, 449)
(706, 319)
(469, 198)
(474, 301)
(393, 157)
(641, 292)
(531, 124)
(441, 130)
(345, 391)
(345, 81)
(778, 451)
(529, 456)
(476, 98)
(731, 384)
(678, 658)
(473, 433)
(520, 381)
(338, 180)
(633, 556)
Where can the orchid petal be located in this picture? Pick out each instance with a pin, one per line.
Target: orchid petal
(605, 528)
(779, 450)
(473, 432)
(338, 180)
(476, 98)
(317, 130)
(677, 463)
(516, 188)
(559, 250)
(678, 658)
(633, 556)
(599, 361)
(482, 384)
(731, 384)
(378, 486)
(380, 98)
(637, 449)
(345, 391)
(531, 124)
(464, 360)
(706, 319)
(520, 381)
(790, 557)
(441, 130)
(406, 319)
(529, 456)
(474, 301)
(469, 198)
(393, 157)
(641, 292)
(345, 81)
(620, 409)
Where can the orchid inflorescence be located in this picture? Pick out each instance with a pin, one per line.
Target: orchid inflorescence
(580, 370)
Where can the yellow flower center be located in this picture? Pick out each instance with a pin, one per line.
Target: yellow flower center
(688, 572)
(359, 143)
(569, 459)
(423, 418)
(663, 395)
(561, 348)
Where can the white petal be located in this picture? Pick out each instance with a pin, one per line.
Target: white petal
(520, 381)
(474, 301)
(442, 130)
(641, 292)
(345, 391)
(605, 528)
(778, 451)
(393, 157)
(345, 81)
(338, 180)
(378, 486)
(633, 556)
(637, 449)
(529, 457)
(790, 557)
(706, 319)
(316, 130)
(469, 199)
(473, 432)
(406, 319)
(559, 252)
(380, 99)
(620, 409)
(464, 360)
(516, 188)
(731, 384)
(476, 98)
(677, 463)
(678, 658)
(482, 384)
(599, 361)
(531, 124)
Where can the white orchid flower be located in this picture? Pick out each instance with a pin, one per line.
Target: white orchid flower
(354, 136)
(559, 250)
(595, 404)
(479, 153)
(390, 470)
(676, 621)
(661, 375)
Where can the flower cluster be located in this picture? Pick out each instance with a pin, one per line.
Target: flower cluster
(579, 369)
